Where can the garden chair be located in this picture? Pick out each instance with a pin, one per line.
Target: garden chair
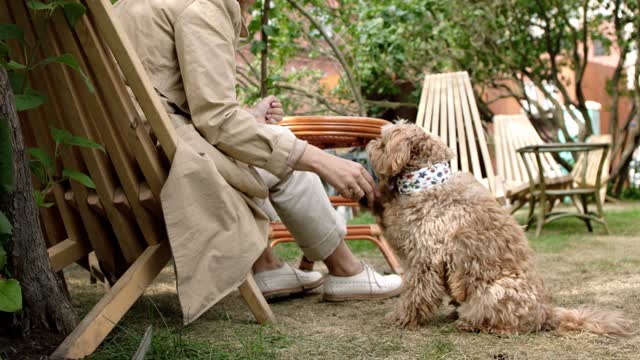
(121, 220)
(330, 132)
(586, 183)
(448, 109)
(512, 132)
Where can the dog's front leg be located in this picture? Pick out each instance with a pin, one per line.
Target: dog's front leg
(423, 294)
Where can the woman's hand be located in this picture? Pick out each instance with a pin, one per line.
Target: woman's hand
(268, 110)
(349, 178)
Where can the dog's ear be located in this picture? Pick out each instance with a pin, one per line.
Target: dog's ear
(395, 154)
(432, 148)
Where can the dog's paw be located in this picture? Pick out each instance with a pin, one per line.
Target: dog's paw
(465, 326)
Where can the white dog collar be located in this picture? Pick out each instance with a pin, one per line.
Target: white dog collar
(421, 179)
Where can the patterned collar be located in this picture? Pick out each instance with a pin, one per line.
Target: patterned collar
(421, 179)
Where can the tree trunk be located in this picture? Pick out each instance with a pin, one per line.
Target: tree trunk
(45, 303)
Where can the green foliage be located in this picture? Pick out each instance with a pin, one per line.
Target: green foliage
(6, 157)
(42, 165)
(10, 295)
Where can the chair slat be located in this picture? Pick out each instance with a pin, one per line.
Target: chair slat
(98, 235)
(423, 103)
(119, 152)
(87, 112)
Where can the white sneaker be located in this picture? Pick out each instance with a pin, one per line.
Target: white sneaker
(286, 281)
(366, 285)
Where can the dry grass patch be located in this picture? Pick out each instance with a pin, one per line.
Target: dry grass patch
(578, 268)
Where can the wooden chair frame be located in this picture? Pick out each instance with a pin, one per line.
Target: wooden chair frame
(329, 132)
(449, 110)
(121, 220)
(512, 132)
(581, 190)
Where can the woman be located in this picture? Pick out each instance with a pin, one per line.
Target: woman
(188, 49)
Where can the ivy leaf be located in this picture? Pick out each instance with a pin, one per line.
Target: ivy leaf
(37, 5)
(10, 296)
(17, 80)
(4, 48)
(5, 225)
(83, 179)
(37, 169)
(270, 30)
(13, 65)
(60, 136)
(29, 100)
(11, 32)
(83, 142)
(41, 156)
(73, 11)
(70, 61)
(3, 258)
(6, 157)
(257, 46)
(40, 202)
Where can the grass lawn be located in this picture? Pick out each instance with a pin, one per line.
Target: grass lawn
(578, 268)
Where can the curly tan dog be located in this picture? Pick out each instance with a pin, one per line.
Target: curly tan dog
(459, 243)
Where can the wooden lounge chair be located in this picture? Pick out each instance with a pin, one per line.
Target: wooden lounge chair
(328, 132)
(590, 176)
(448, 109)
(121, 221)
(512, 132)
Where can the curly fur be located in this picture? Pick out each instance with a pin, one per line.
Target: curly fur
(458, 243)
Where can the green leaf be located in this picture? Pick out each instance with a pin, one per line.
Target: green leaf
(37, 5)
(13, 65)
(40, 155)
(6, 157)
(5, 225)
(29, 100)
(60, 136)
(73, 11)
(40, 202)
(83, 142)
(38, 170)
(3, 258)
(10, 295)
(17, 80)
(11, 32)
(4, 48)
(83, 179)
(70, 61)
(269, 30)
(257, 46)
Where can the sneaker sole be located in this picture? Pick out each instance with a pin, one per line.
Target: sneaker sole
(338, 298)
(292, 291)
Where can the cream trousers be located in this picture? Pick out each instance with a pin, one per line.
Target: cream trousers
(303, 206)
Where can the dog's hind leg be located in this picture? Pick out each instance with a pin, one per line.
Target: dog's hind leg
(423, 295)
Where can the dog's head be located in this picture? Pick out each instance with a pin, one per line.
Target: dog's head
(403, 147)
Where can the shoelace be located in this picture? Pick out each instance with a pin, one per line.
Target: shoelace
(295, 273)
(369, 274)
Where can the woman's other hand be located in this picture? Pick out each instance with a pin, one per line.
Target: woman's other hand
(268, 110)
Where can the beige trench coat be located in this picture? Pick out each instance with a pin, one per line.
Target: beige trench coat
(209, 201)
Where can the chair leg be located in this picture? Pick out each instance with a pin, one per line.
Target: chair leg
(585, 207)
(599, 201)
(256, 301)
(530, 216)
(99, 322)
(393, 262)
(541, 216)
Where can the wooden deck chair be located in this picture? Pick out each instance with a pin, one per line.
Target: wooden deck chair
(121, 221)
(512, 132)
(588, 177)
(448, 109)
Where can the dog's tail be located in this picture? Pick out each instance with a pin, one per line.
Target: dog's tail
(592, 320)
